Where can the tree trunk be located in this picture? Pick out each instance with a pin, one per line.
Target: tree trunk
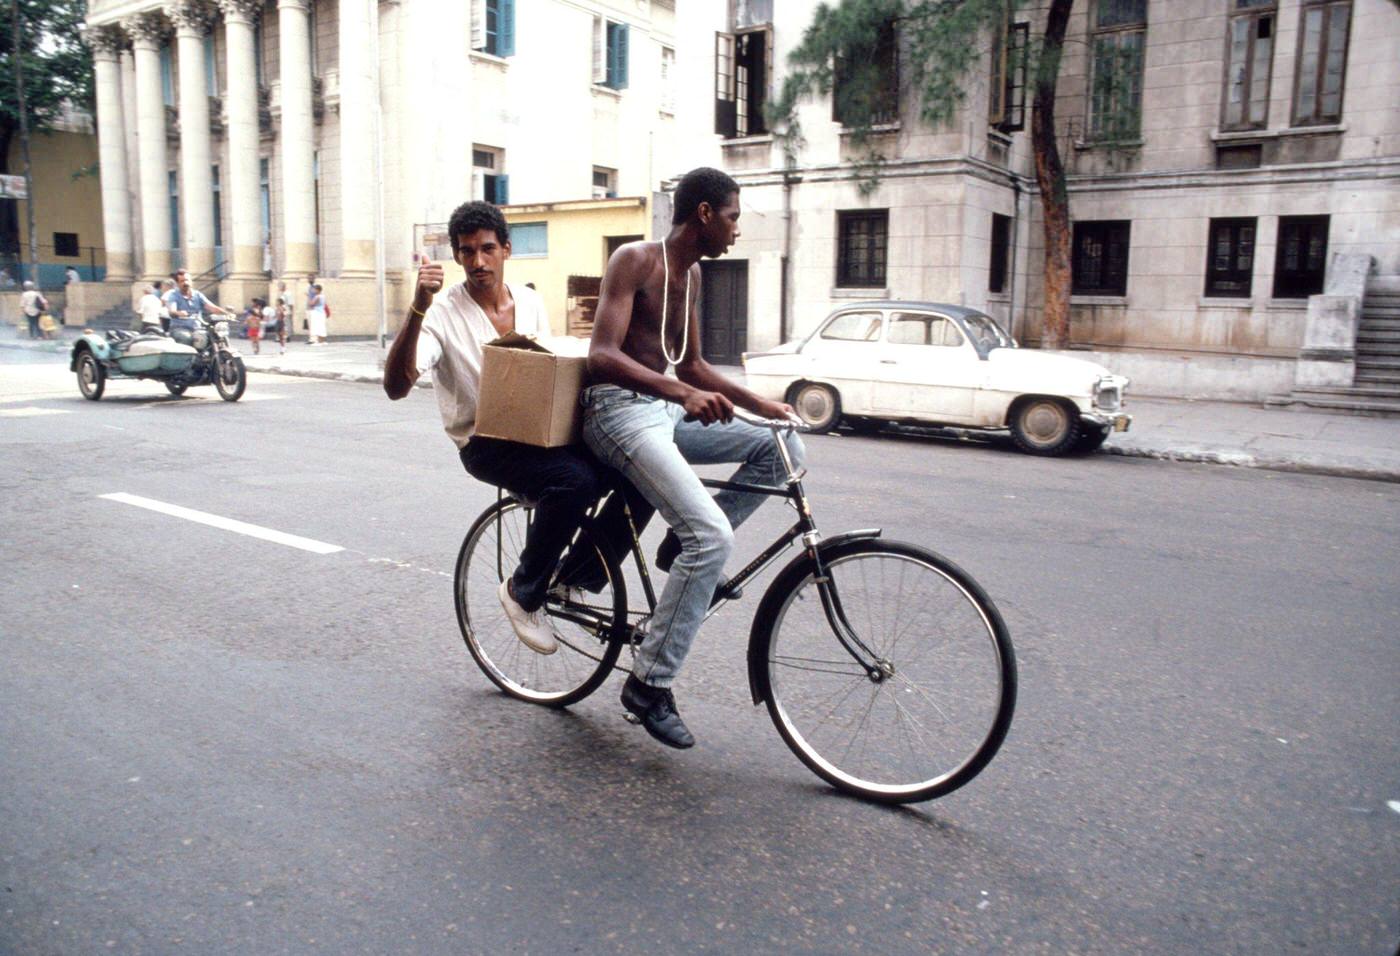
(1050, 175)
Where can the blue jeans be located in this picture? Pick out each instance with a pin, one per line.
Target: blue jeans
(646, 439)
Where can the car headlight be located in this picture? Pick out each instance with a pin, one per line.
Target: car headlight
(1108, 396)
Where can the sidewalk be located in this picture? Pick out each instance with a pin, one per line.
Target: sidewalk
(1250, 436)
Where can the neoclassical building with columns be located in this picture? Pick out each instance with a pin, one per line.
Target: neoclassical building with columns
(252, 141)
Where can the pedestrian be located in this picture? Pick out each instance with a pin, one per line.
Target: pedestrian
(271, 321)
(252, 321)
(7, 281)
(316, 314)
(33, 304)
(71, 277)
(286, 315)
(150, 310)
(167, 286)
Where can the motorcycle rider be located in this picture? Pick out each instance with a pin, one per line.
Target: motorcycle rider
(188, 305)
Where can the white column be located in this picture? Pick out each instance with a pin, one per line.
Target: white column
(357, 175)
(106, 44)
(146, 31)
(297, 138)
(191, 19)
(241, 97)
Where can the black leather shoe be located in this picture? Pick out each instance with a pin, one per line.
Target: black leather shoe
(655, 709)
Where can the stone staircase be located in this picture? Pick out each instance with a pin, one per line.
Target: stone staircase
(117, 317)
(1376, 387)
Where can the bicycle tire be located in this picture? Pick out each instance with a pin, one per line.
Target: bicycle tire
(589, 649)
(973, 676)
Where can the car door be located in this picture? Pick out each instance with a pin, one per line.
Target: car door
(927, 369)
(846, 352)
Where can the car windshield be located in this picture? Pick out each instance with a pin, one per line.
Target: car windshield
(985, 332)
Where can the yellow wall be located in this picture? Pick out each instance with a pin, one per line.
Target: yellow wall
(577, 245)
(62, 204)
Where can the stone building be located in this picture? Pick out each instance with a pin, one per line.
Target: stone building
(1223, 157)
(251, 140)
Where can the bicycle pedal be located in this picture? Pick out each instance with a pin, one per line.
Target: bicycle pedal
(631, 718)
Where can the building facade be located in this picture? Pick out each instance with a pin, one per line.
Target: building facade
(252, 141)
(1221, 156)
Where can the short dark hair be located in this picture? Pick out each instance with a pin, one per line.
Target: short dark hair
(701, 185)
(472, 217)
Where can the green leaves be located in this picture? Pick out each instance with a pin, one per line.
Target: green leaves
(56, 61)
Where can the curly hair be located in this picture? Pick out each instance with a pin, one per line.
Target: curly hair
(701, 185)
(471, 217)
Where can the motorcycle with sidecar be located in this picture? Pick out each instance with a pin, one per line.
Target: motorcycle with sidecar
(181, 359)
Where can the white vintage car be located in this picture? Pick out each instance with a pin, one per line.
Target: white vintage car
(941, 364)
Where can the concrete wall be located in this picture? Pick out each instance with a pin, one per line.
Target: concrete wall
(63, 203)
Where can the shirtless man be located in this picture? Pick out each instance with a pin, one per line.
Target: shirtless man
(652, 427)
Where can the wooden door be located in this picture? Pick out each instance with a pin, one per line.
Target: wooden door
(724, 311)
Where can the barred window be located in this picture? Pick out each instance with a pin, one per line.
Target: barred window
(1300, 264)
(1100, 258)
(863, 239)
(1230, 257)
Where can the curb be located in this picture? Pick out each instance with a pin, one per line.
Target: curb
(1244, 459)
(329, 376)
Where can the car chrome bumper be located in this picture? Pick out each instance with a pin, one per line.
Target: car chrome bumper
(1116, 421)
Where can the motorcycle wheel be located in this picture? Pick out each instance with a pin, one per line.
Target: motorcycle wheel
(176, 388)
(230, 376)
(92, 377)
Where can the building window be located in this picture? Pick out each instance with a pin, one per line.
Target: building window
(493, 27)
(1300, 266)
(489, 183)
(1100, 258)
(217, 190)
(1007, 88)
(750, 13)
(668, 85)
(1249, 55)
(172, 182)
(211, 67)
(265, 200)
(529, 239)
(1230, 258)
(862, 244)
(610, 45)
(604, 183)
(258, 51)
(743, 66)
(65, 244)
(868, 92)
(1322, 62)
(167, 76)
(1001, 252)
(1115, 82)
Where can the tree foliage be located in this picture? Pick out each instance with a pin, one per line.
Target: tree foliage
(56, 61)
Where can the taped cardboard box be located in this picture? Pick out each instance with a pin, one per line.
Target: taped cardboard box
(529, 390)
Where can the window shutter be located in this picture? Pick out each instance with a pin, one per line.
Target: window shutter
(502, 197)
(478, 184)
(996, 87)
(622, 57)
(726, 107)
(478, 24)
(506, 29)
(600, 51)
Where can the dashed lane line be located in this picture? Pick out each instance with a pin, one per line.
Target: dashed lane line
(29, 411)
(227, 524)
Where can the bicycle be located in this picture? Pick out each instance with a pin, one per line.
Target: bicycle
(859, 643)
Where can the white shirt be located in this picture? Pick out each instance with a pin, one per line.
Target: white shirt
(149, 307)
(454, 331)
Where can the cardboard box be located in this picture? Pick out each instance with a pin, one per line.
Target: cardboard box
(529, 390)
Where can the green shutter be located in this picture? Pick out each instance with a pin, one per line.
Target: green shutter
(505, 29)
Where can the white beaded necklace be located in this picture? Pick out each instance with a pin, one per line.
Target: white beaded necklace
(685, 311)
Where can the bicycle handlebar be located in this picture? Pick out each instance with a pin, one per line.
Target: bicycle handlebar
(776, 424)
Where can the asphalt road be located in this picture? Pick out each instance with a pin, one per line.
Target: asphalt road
(215, 743)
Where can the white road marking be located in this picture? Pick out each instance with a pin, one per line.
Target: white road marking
(1394, 805)
(29, 411)
(227, 524)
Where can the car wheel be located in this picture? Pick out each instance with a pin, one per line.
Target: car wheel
(819, 406)
(176, 388)
(92, 377)
(1044, 426)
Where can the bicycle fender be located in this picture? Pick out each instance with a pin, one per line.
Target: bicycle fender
(794, 571)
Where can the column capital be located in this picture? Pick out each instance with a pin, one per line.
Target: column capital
(302, 6)
(107, 41)
(241, 11)
(147, 29)
(190, 16)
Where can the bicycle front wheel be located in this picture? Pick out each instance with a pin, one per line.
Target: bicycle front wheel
(583, 620)
(940, 703)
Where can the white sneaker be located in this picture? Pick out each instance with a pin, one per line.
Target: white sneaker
(530, 626)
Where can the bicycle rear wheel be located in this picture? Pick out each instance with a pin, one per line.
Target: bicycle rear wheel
(942, 703)
(583, 621)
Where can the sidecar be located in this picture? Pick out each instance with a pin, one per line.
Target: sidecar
(120, 354)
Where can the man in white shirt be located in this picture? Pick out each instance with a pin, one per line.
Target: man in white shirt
(445, 337)
(150, 308)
